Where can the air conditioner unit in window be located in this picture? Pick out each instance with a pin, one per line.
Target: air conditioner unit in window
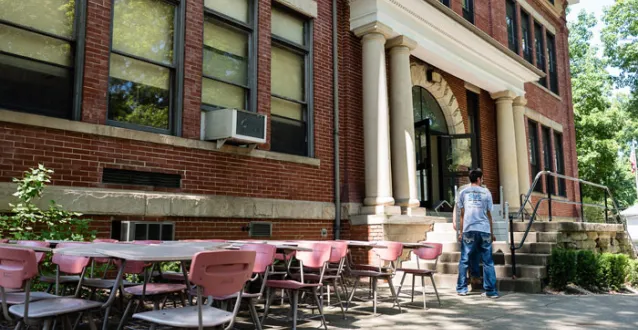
(233, 125)
(146, 230)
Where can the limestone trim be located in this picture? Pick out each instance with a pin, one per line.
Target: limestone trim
(401, 41)
(543, 120)
(472, 88)
(101, 201)
(306, 7)
(538, 16)
(367, 220)
(506, 141)
(442, 92)
(374, 27)
(129, 134)
(547, 90)
(503, 96)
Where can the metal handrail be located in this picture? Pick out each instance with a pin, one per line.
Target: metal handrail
(526, 200)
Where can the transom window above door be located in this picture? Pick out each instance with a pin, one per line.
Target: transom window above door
(426, 107)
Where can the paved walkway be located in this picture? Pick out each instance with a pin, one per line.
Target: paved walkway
(511, 311)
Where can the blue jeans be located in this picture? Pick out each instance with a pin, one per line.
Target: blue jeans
(481, 244)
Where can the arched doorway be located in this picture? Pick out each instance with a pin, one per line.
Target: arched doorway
(443, 159)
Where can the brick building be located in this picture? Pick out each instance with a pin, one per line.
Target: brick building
(126, 99)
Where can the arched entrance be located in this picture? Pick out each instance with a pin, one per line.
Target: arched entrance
(445, 151)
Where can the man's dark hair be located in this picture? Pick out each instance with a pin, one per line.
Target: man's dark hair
(475, 174)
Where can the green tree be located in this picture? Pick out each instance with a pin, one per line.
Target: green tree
(600, 119)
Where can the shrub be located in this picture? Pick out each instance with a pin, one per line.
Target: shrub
(28, 222)
(619, 269)
(586, 269)
(562, 268)
(633, 273)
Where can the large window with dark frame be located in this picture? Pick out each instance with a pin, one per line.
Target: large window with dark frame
(534, 154)
(512, 25)
(539, 45)
(548, 159)
(526, 37)
(468, 10)
(291, 92)
(41, 56)
(142, 72)
(560, 163)
(551, 56)
(445, 2)
(228, 65)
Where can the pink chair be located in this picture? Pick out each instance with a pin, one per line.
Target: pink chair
(423, 253)
(73, 275)
(4, 240)
(38, 255)
(18, 267)
(390, 254)
(216, 273)
(317, 259)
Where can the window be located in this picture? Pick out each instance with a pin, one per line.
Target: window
(560, 163)
(534, 158)
(526, 38)
(290, 83)
(551, 54)
(548, 159)
(539, 43)
(473, 107)
(445, 2)
(512, 26)
(468, 10)
(41, 56)
(142, 73)
(127, 231)
(228, 68)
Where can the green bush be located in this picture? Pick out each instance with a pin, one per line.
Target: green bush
(586, 269)
(619, 269)
(632, 279)
(27, 221)
(562, 268)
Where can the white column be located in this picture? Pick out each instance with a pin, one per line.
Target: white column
(402, 123)
(506, 141)
(376, 142)
(522, 156)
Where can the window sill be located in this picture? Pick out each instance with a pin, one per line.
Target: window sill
(22, 118)
(554, 197)
(548, 91)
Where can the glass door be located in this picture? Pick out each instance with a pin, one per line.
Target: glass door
(457, 158)
(423, 162)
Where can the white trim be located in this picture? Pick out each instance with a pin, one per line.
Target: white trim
(306, 7)
(556, 96)
(129, 134)
(537, 16)
(472, 88)
(449, 43)
(537, 117)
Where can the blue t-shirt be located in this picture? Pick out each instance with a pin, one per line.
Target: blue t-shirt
(476, 202)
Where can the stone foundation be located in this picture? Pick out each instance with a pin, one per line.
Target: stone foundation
(595, 237)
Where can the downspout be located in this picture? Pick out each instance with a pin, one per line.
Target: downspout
(335, 94)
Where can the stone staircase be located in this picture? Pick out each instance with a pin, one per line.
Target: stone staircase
(531, 259)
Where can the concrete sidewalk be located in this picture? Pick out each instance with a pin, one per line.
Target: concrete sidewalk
(511, 311)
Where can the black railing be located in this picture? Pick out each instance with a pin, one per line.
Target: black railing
(526, 199)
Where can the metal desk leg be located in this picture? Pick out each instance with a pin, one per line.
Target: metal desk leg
(107, 305)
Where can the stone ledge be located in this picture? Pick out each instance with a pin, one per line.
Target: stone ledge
(376, 219)
(129, 134)
(306, 7)
(97, 201)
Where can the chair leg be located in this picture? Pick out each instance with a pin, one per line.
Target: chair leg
(91, 321)
(412, 297)
(294, 303)
(47, 324)
(394, 293)
(253, 314)
(328, 292)
(120, 326)
(401, 284)
(269, 298)
(339, 298)
(435, 290)
(77, 320)
(423, 289)
(320, 308)
(19, 325)
(354, 289)
(374, 295)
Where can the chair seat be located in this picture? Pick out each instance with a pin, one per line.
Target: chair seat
(416, 271)
(290, 285)
(15, 298)
(369, 273)
(186, 317)
(313, 277)
(101, 283)
(63, 279)
(193, 292)
(53, 307)
(173, 276)
(155, 289)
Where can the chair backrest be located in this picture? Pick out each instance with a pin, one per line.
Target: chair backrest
(16, 266)
(429, 253)
(136, 267)
(316, 258)
(222, 273)
(391, 253)
(265, 256)
(4, 240)
(70, 264)
(39, 256)
(339, 251)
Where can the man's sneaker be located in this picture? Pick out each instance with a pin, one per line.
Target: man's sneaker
(491, 297)
(462, 294)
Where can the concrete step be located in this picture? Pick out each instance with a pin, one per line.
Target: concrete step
(503, 284)
(527, 259)
(443, 227)
(502, 270)
(441, 237)
(543, 247)
(542, 226)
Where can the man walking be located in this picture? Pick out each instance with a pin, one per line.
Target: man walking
(476, 233)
